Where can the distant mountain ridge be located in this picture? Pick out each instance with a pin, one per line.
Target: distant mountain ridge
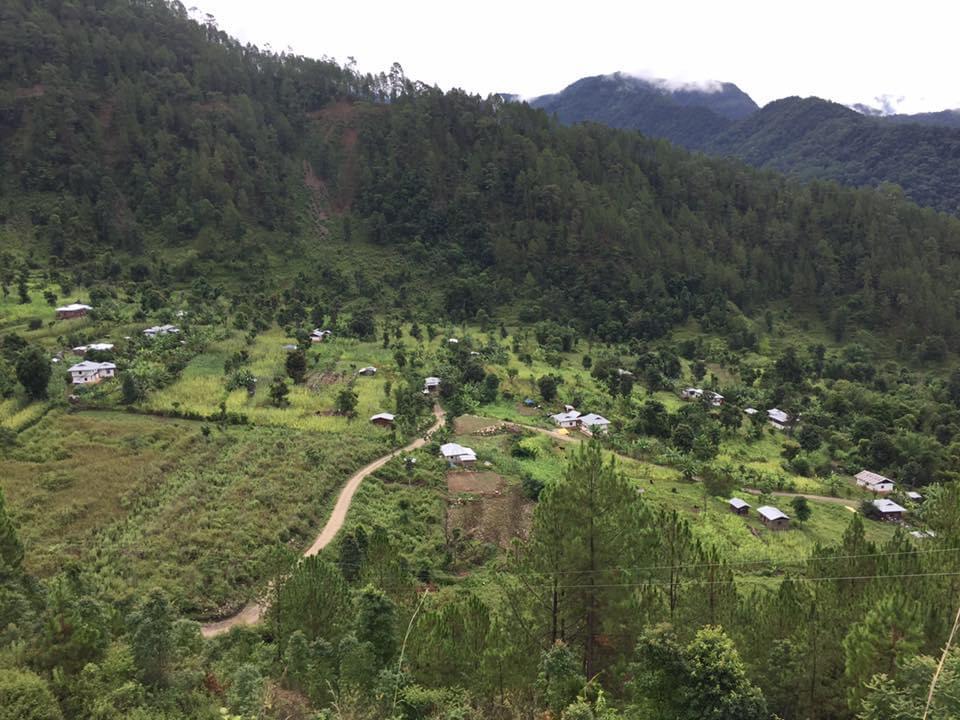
(807, 137)
(683, 114)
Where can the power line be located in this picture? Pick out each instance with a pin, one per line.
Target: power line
(699, 581)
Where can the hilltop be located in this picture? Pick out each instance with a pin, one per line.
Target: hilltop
(810, 138)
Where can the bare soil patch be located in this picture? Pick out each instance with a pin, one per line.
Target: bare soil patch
(325, 378)
(494, 519)
(527, 411)
(470, 424)
(480, 483)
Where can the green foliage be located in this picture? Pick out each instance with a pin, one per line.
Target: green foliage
(25, 696)
(33, 372)
(314, 600)
(704, 679)
(801, 509)
(152, 638)
(11, 549)
(560, 678)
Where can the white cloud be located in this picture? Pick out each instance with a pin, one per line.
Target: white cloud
(851, 51)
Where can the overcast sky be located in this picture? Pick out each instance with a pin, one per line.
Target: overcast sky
(845, 50)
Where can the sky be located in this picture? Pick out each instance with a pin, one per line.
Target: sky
(849, 51)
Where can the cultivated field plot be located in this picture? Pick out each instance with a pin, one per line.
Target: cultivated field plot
(148, 501)
(484, 507)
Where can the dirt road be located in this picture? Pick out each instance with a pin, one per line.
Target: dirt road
(252, 613)
(846, 502)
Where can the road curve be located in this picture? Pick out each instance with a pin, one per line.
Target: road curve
(253, 612)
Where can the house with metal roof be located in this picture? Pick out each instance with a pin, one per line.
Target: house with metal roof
(592, 423)
(778, 418)
(888, 510)
(738, 506)
(73, 310)
(90, 373)
(874, 482)
(457, 454)
(568, 419)
(383, 419)
(773, 518)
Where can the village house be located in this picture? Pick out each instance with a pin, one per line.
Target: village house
(888, 510)
(367, 371)
(593, 423)
(319, 335)
(874, 482)
(431, 384)
(778, 418)
(93, 347)
(73, 310)
(773, 518)
(915, 496)
(567, 419)
(383, 419)
(90, 373)
(691, 393)
(456, 454)
(738, 506)
(152, 332)
(715, 399)
(751, 411)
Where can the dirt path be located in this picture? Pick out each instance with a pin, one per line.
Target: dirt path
(846, 502)
(253, 612)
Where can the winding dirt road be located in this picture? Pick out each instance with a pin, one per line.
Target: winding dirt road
(253, 612)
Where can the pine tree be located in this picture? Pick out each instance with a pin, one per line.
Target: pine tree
(11, 549)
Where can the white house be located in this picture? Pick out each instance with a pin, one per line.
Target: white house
(593, 423)
(152, 332)
(73, 310)
(915, 496)
(715, 399)
(874, 482)
(90, 373)
(751, 411)
(319, 335)
(778, 418)
(84, 349)
(568, 419)
(431, 384)
(369, 370)
(456, 454)
(773, 518)
(691, 393)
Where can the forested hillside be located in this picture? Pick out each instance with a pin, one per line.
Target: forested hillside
(681, 115)
(154, 146)
(809, 138)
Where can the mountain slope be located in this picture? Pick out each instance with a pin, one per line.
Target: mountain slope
(813, 138)
(810, 138)
(684, 115)
(155, 149)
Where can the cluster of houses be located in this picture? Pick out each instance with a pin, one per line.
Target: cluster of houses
(775, 416)
(771, 517)
(693, 393)
(589, 424)
(152, 332)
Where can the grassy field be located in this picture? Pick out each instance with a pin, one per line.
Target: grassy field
(739, 539)
(150, 501)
